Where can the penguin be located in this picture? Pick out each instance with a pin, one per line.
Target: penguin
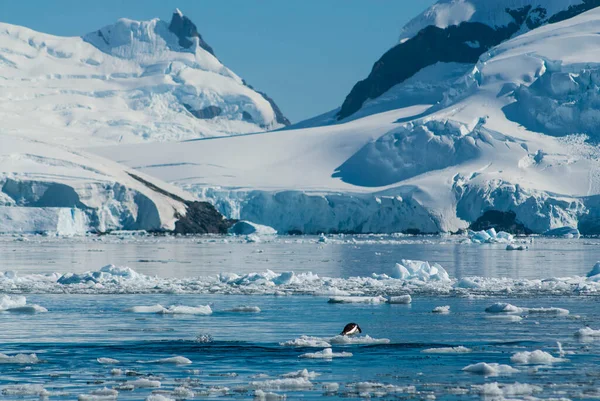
(350, 329)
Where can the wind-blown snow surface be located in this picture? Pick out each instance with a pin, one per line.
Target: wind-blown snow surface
(127, 82)
(48, 188)
(422, 168)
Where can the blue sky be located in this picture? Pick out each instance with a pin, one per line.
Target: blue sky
(306, 54)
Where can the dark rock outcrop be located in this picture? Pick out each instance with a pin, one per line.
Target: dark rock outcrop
(500, 221)
(200, 217)
(462, 43)
(185, 29)
(206, 113)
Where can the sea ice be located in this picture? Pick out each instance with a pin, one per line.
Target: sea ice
(297, 383)
(243, 308)
(537, 357)
(158, 397)
(144, 383)
(547, 311)
(327, 353)
(441, 309)
(496, 389)
(260, 395)
(358, 300)
(107, 361)
(490, 369)
(501, 307)
(401, 299)
(420, 270)
(246, 228)
(175, 360)
(587, 332)
(22, 359)
(490, 236)
(306, 341)
(301, 373)
(363, 340)
(104, 394)
(447, 350)
(173, 309)
(331, 388)
(18, 304)
(25, 390)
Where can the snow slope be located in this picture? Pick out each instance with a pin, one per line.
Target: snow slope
(50, 188)
(447, 37)
(128, 82)
(424, 168)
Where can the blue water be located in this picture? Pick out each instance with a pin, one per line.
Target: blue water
(78, 329)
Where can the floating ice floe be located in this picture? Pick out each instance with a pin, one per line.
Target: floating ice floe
(125, 281)
(183, 393)
(358, 300)
(512, 247)
(490, 237)
(496, 389)
(506, 308)
(158, 397)
(366, 389)
(172, 310)
(401, 299)
(175, 360)
(107, 361)
(326, 342)
(22, 359)
(419, 270)
(448, 350)
(144, 383)
(362, 340)
(103, 394)
(327, 353)
(18, 304)
(501, 307)
(331, 388)
(296, 383)
(490, 369)
(537, 357)
(441, 309)
(260, 395)
(306, 341)
(246, 309)
(587, 332)
(301, 373)
(22, 390)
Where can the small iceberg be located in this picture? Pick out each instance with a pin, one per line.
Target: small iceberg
(420, 270)
(444, 310)
(563, 232)
(358, 300)
(245, 309)
(537, 357)
(244, 227)
(172, 310)
(447, 350)
(327, 353)
(490, 237)
(501, 307)
(490, 369)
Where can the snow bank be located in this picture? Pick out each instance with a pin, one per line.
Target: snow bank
(490, 369)
(490, 237)
(246, 228)
(537, 357)
(327, 353)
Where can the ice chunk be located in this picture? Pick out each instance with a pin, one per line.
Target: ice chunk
(327, 353)
(183, 393)
(18, 304)
(490, 236)
(501, 307)
(342, 340)
(260, 395)
(511, 247)
(441, 309)
(490, 369)
(175, 360)
(301, 373)
(547, 311)
(243, 308)
(107, 361)
(104, 394)
(563, 232)
(144, 383)
(173, 309)
(244, 227)
(25, 390)
(297, 383)
(401, 299)
(331, 388)
(420, 270)
(23, 359)
(365, 389)
(497, 390)
(357, 300)
(158, 397)
(447, 350)
(537, 357)
(306, 341)
(587, 332)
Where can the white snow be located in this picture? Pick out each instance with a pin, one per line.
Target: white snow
(490, 369)
(537, 357)
(447, 350)
(327, 353)
(483, 154)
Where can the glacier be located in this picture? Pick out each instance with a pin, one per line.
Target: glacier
(419, 169)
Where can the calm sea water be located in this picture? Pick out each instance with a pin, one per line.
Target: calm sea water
(235, 354)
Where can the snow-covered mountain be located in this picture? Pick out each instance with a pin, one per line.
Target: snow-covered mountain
(441, 44)
(127, 82)
(513, 134)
